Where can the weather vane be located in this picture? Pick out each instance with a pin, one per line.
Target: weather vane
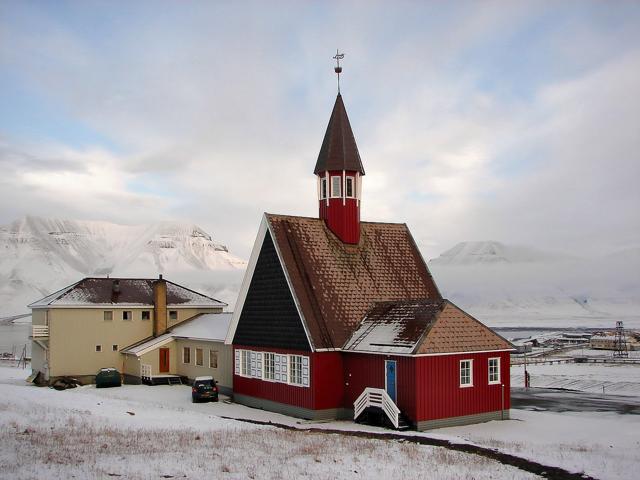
(339, 56)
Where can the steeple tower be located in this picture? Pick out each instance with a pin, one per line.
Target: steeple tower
(340, 172)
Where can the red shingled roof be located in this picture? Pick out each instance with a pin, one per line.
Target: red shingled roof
(336, 283)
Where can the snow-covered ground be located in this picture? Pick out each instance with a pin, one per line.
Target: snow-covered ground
(146, 432)
(585, 377)
(150, 432)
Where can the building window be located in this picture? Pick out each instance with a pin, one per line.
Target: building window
(108, 316)
(114, 348)
(127, 315)
(269, 366)
(466, 373)
(213, 359)
(323, 188)
(173, 315)
(186, 355)
(245, 366)
(295, 369)
(336, 184)
(199, 357)
(494, 370)
(146, 315)
(98, 348)
(350, 190)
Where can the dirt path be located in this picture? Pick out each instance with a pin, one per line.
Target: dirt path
(530, 466)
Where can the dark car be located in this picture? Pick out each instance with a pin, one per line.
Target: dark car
(204, 389)
(108, 377)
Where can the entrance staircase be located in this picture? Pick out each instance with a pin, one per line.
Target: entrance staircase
(378, 400)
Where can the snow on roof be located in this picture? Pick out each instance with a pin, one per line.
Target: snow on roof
(208, 326)
(123, 291)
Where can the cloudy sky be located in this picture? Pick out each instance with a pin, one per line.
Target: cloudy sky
(510, 121)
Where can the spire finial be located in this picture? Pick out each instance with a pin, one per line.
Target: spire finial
(338, 69)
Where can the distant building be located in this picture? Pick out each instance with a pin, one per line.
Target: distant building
(85, 327)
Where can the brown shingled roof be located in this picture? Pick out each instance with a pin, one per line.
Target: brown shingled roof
(336, 283)
(422, 326)
(122, 291)
(339, 150)
(457, 331)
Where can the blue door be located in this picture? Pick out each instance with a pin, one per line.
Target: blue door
(390, 382)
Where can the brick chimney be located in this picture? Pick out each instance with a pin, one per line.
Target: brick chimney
(159, 306)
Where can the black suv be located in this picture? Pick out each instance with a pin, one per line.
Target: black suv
(205, 389)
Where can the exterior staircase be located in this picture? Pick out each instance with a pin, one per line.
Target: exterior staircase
(376, 401)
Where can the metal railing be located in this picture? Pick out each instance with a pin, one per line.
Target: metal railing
(377, 397)
(40, 331)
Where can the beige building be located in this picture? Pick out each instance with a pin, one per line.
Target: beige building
(84, 327)
(192, 349)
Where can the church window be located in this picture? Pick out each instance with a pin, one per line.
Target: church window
(350, 190)
(336, 184)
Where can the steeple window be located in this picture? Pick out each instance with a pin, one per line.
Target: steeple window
(350, 191)
(336, 187)
(323, 188)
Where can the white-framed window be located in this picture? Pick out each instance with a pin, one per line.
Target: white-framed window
(350, 187)
(114, 347)
(269, 366)
(494, 370)
(173, 315)
(336, 187)
(323, 188)
(127, 315)
(98, 348)
(213, 359)
(295, 369)
(199, 357)
(146, 314)
(186, 354)
(245, 363)
(466, 373)
(107, 315)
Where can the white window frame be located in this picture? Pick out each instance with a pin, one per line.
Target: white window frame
(185, 350)
(497, 370)
(201, 364)
(128, 314)
(104, 315)
(324, 188)
(269, 366)
(98, 348)
(460, 378)
(295, 368)
(215, 353)
(172, 312)
(353, 187)
(245, 363)
(142, 315)
(334, 184)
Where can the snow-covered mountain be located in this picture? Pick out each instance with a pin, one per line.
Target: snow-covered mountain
(522, 286)
(40, 255)
(492, 252)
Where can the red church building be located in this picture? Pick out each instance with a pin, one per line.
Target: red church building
(339, 318)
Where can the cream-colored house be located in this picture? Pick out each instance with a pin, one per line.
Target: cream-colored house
(192, 349)
(84, 327)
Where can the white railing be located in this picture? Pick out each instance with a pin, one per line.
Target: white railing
(377, 397)
(40, 331)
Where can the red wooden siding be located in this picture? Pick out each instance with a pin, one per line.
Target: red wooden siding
(438, 392)
(362, 370)
(343, 220)
(325, 390)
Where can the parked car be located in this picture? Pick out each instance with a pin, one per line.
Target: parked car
(205, 389)
(108, 377)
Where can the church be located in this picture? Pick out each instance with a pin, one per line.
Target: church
(339, 318)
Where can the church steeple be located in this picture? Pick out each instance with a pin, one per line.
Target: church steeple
(339, 170)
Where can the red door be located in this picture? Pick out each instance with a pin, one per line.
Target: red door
(164, 360)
